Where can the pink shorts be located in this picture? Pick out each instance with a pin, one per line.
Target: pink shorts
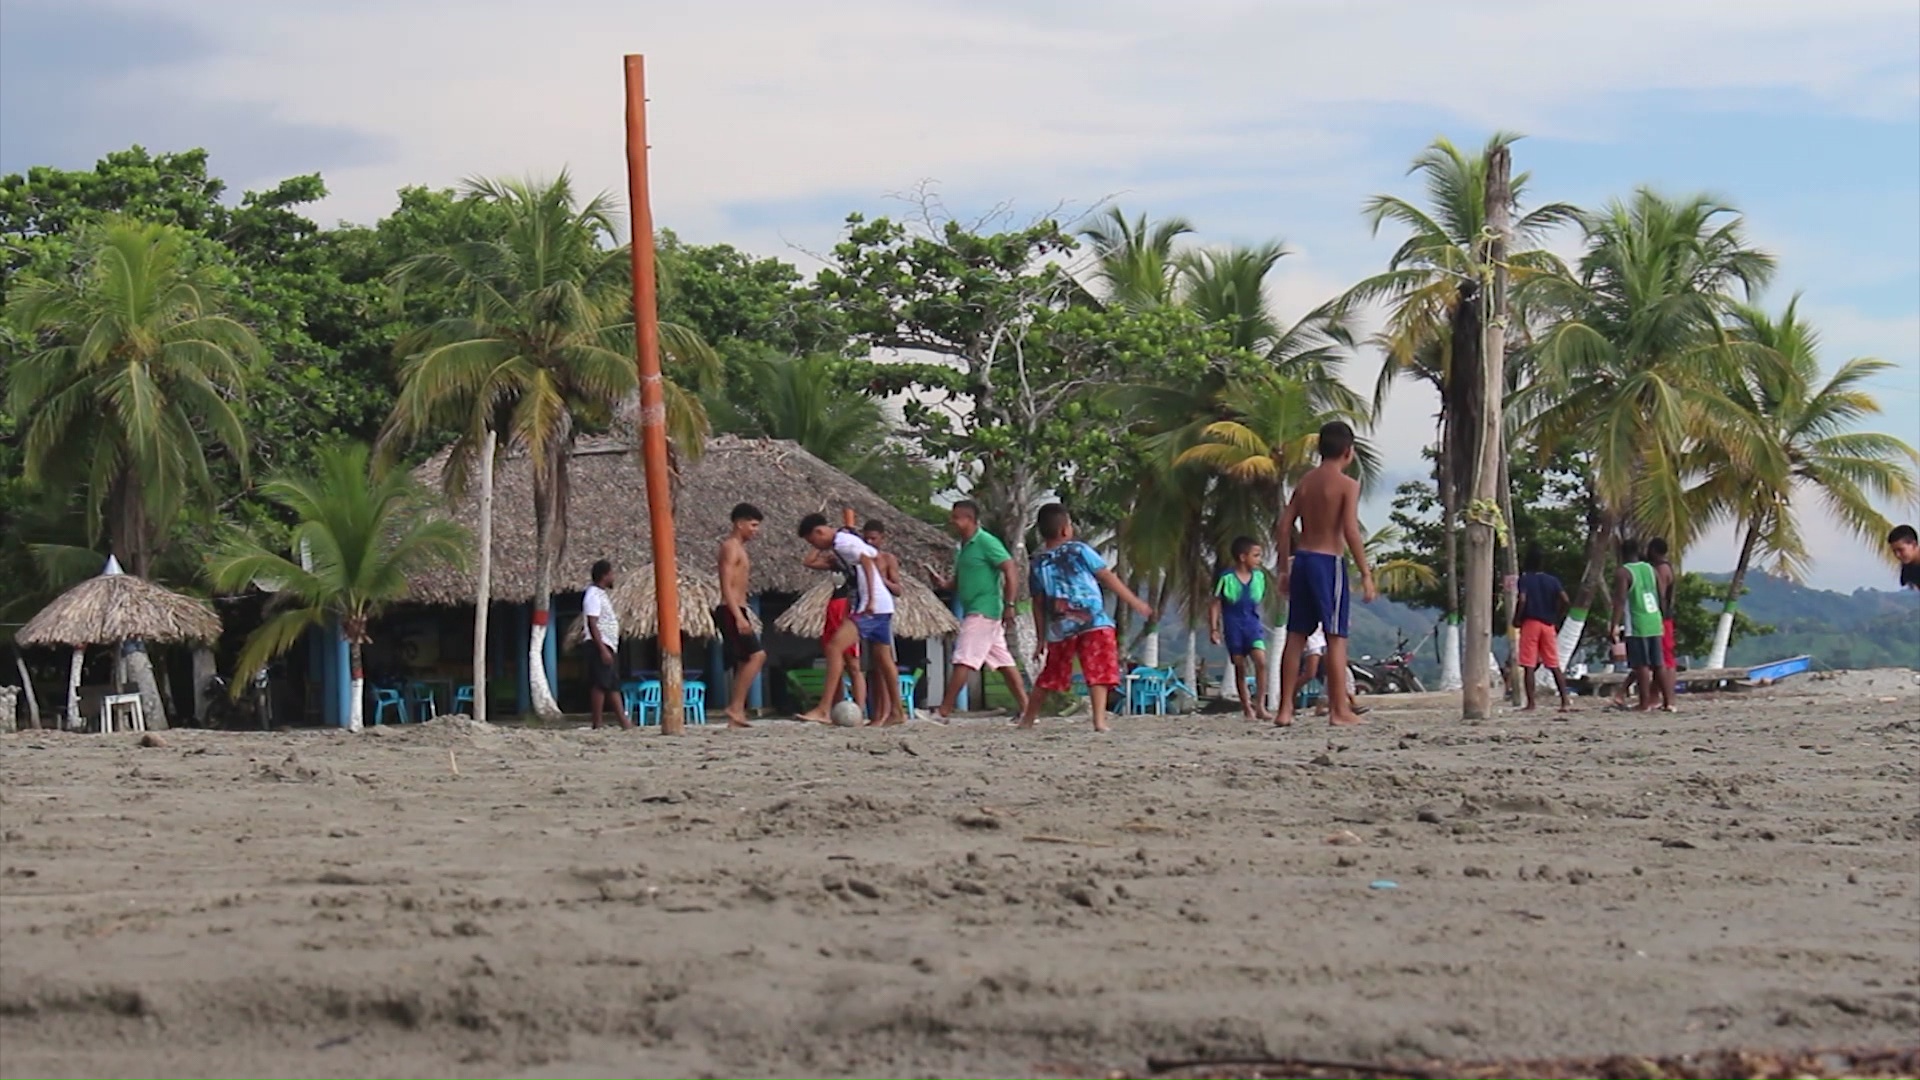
(982, 644)
(1539, 645)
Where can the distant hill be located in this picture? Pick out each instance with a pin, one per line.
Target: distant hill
(1862, 629)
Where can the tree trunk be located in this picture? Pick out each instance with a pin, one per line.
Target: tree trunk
(204, 669)
(544, 705)
(1723, 630)
(1510, 579)
(153, 708)
(1593, 591)
(1475, 693)
(74, 720)
(26, 685)
(1189, 669)
(1445, 476)
(483, 578)
(356, 707)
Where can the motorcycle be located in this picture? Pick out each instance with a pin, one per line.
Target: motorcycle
(228, 713)
(1391, 675)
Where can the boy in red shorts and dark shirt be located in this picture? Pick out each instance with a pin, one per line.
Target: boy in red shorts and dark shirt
(1070, 616)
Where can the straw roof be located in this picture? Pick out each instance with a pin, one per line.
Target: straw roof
(917, 613)
(639, 613)
(607, 516)
(116, 607)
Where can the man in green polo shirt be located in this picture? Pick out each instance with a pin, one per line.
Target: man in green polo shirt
(987, 585)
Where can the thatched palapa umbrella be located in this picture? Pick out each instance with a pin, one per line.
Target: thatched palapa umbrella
(639, 614)
(917, 612)
(114, 608)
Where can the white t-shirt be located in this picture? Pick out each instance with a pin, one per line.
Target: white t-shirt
(598, 605)
(851, 548)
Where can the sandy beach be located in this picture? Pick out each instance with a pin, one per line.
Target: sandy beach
(966, 900)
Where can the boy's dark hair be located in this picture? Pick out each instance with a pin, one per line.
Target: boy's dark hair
(1052, 521)
(968, 506)
(875, 525)
(1629, 551)
(600, 570)
(1903, 532)
(1336, 438)
(1243, 544)
(810, 523)
(747, 512)
(1531, 564)
(1657, 548)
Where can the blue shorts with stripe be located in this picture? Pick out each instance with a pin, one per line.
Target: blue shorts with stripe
(1317, 597)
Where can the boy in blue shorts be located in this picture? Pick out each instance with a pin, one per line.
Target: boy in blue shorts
(1235, 620)
(1327, 505)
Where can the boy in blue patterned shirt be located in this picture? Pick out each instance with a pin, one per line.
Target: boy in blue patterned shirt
(1070, 616)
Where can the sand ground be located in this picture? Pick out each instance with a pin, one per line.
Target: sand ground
(963, 901)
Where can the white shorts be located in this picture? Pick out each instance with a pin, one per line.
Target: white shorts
(1317, 642)
(982, 644)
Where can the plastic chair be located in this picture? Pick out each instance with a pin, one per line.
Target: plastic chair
(1151, 687)
(693, 700)
(384, 698)
(463, 695)
(908, 682)
(643, 698)
(422, 695)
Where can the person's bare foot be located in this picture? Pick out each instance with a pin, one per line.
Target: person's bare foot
(812, 718)
(1527, 708)
(1261, 715)
(1283, 718)
(737, 720)
(1345, 719)
(1566, 706)
(1101, 727)
(1024, 724)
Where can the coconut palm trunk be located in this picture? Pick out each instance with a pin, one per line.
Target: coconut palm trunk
(26, 684)
(483, 578)
(1450, 553)
(1723, 629)
(356, 707)
(544, 704)
(1592, 588)
(1510, 583)
(74, 722)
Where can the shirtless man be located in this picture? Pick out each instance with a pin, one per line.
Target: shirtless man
(1327, 506)
(741, 645)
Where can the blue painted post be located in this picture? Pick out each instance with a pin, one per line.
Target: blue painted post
(551, 652)
(960, 703)
(524, 640)
(756, 694)
(343, 672)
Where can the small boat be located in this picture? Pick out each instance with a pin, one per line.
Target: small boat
(1780, 669)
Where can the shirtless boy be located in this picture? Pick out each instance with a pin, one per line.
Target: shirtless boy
(738, 640)
(1327, 506)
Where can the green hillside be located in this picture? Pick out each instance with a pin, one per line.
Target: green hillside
(1862, 629)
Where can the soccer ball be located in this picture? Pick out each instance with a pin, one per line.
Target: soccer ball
(846, 714)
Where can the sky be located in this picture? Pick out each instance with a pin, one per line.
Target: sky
(770, 122)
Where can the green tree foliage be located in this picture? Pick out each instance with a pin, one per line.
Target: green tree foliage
(133, 369)
(999, 364)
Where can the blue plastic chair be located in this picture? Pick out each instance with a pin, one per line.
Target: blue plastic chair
(909, 682)
(421, 695)
(1151, 689)
(463, 695)
(385, 698)
(694, 701)
(642, 698)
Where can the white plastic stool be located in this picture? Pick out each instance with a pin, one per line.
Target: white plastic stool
(136, 718)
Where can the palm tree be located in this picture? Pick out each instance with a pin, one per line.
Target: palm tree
(135, 370)
(541, 346)
(1636, 370)
(1396, 577)
(1134, 261)
(361, 536)
(1799, 436)
(1431, 291)
(138, 370)
(798, 400)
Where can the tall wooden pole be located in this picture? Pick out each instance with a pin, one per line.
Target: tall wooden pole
(653, 405)
(1476, 665)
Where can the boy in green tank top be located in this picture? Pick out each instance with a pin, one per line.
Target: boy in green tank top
(1637, 606)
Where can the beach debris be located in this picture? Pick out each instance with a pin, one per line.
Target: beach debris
(152, 740)
(1344, 838)
(1383, 884)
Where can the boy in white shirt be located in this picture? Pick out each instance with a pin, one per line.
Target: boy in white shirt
(871, 625)
(602, 646)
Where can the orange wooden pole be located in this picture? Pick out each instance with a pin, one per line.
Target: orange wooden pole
(653, 407)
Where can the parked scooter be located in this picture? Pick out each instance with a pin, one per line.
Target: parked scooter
(1392, 675)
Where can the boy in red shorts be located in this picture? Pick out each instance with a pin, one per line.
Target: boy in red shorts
(1070, 616)
(1542, 604)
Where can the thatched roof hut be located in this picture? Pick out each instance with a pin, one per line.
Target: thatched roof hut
(116, 607)
(607, 516)
(918, 613)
